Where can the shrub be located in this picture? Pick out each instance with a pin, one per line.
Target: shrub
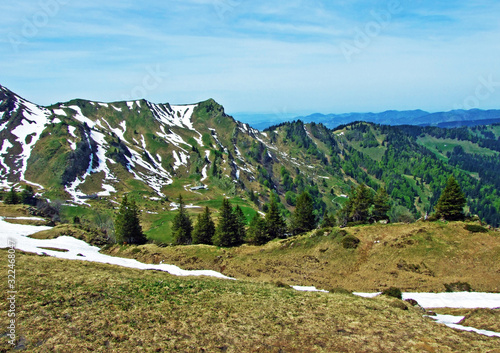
(350, 242)
(280, 284)
(339, 290)
(393, 292)
(458, 287)
(474, 228)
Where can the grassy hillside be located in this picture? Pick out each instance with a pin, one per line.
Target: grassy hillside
(422, 256)
(65, 306)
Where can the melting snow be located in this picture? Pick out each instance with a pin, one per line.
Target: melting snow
(60, 112)
(35, 119)
(80, 250)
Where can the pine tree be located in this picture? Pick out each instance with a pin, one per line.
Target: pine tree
(204, 229)
(303, 219)
(275, 224)
(182, 226)
(240, 224)
(361, 203)
(28, 195)
(127, 224)
(257, 233)
(450, 205)
(11, 198)
(226, 233)
(328, 220)
(381, 205)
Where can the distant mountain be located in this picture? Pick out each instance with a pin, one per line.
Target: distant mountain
(82, 149)
(454, 118)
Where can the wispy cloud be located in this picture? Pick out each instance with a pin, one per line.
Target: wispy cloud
(256, 56)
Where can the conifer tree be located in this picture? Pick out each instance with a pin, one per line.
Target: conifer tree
(182, 225)
(28, 195)
(204, 229)
(127, 224)
(303, 219)
(381, 205)
(257, 233)
(226, 232)
(328, 220)
(11, 198)
(450, 205)
(275, 224)
(361, 203)
(240, 224)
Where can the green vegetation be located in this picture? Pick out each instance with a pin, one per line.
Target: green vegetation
(451, 202)
(127, 224)
(204, 229)
(77, 306)
(182, 226)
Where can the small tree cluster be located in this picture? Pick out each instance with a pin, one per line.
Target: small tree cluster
(262, 230)
(27, 196)
(363, 206)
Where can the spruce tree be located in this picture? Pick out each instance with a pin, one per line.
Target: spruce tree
(328, 220)
(381, 205)
(275, 224)
(11, 198)
(257, 233)
(303, 219)
(204, 229)
(226, 232)
(127, 224)
(182, 226)
(361, 203)
(28, 195)
(240, 224)
(450, 205)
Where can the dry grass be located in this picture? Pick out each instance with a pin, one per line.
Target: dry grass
(414, 257)
(485, 319)
(13, 210)
(65, 306)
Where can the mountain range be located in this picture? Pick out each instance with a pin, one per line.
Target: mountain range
(81, 150)
(454, 118)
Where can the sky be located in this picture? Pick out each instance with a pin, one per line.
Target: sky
(282, 58)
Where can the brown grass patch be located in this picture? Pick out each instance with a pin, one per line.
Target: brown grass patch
(65, 306)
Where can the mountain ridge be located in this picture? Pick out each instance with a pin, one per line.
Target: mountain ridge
(78, 149)
(453, 118)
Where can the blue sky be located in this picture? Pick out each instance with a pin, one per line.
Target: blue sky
(279, 57)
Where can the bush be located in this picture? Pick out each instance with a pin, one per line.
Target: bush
(393, 292)
(458, 287)
(350, 242)
(339, 290)
(474, 228)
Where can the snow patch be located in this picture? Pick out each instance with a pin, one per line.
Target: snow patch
(80, 250)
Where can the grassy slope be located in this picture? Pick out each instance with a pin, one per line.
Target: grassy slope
(415, 257)
(65, 306)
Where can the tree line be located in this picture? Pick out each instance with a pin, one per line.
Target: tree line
(364, 206)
